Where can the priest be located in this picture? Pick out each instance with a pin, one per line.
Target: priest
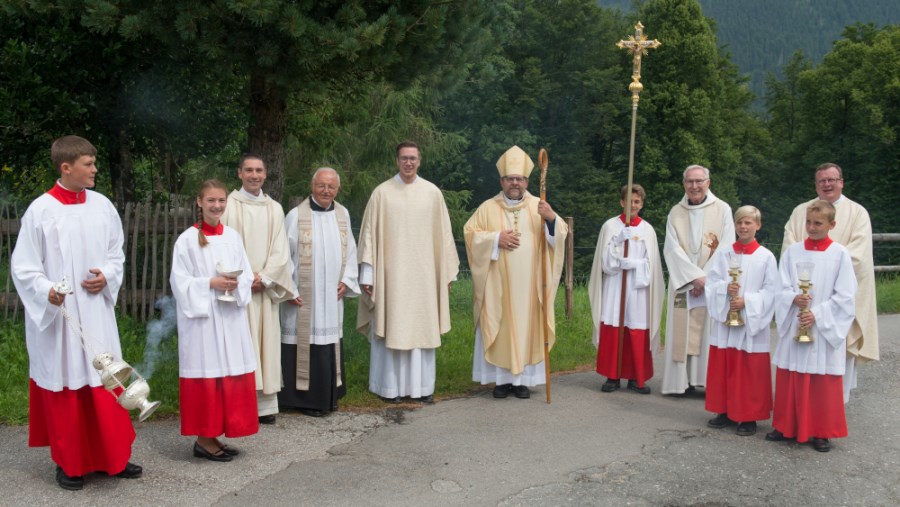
(515, 242)
(695, 228)
(73, 233)
(853, 230)
(643, 293)
(323, 256)
(408, 260)
(260, 221)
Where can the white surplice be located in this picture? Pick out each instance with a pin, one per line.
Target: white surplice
(760, 287)
(56, 241)
(213, 336)
(833, 291)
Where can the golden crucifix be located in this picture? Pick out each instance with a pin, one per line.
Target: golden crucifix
(638, 45)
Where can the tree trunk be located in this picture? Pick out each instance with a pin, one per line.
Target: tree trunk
(267, 131)
(121, 167)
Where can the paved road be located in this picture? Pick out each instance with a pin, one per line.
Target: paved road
(587, 448)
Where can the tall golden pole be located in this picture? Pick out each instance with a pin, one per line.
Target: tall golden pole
(637, 44)
(543, 162)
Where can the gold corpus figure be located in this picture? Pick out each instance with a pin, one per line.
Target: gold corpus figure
(637, 44)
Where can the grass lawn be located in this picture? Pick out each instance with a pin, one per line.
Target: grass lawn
(573, 351)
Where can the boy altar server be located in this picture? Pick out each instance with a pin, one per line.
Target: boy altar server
(809, 396)
(643, 301)
(75, 233)
(739, 376)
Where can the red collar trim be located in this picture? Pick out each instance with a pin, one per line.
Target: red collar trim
(748, 249)
(209, 230)
(817, 245)
(635, 220)
(67, 196)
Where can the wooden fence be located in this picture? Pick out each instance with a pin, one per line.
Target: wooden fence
(150, 234)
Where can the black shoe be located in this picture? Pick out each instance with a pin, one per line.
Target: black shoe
(775, 436)
(312, 412)
(200, 452)
(131, 471)
(821, 444)
(720, 421)
(75, 483)
(521, 392)
(267, 419)
(427, 400)
(502, 390)
(230, 451)
(610, 385)
(745, 429)
(395, 399)
(640, 390)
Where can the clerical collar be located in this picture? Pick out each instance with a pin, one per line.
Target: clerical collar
(66, 196)
(210, 230)
(818, 245)
(261, 196)
(513, 202)
(705, 197)
(635, 220)
(398, 178)
(748, 249)
(313, 205)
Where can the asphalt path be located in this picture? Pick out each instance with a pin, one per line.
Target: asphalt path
(586, 448)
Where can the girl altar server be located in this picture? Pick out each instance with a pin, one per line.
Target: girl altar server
(739, 378)
(215, 352)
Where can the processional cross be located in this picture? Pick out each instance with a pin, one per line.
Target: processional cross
(638, 45)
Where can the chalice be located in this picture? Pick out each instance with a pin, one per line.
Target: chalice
(804, 275)
(227, 273)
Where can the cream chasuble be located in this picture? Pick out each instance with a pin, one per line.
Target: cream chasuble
(321, 243)
(693, 233)
(260, 222)
(513, 312)
(853, 229)
(406, 238)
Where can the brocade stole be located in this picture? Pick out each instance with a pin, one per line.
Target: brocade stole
(688, 324)
(305, 270)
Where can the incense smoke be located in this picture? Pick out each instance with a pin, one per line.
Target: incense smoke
(157, 331)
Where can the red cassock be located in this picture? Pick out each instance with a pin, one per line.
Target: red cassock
(739, 383)
(211, 407)
(637, 362)
(86, 429)
(809, 405)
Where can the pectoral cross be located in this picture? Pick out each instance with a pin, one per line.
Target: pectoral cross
(638, 45)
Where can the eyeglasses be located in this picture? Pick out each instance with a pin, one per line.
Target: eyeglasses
(407, 159)
(695, 182)
(828, 181)
(515, 179)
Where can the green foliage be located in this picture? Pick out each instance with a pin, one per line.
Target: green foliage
(887, 290)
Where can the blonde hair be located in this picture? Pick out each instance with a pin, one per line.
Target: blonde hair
(206, 185)
(824, 207)
(748, 211)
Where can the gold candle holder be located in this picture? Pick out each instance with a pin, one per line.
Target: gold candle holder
(734, 318)
(804, 334)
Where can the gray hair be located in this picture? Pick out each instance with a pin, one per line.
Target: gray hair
(693, 167)
(324, 169)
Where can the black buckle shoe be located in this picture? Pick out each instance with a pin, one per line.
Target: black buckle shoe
(131, 471)
(267, 419)
(610, 385)
(640, 390)
(395, 399)
(221, 455)
(775, 436)
(427, 400)
(75, 483)
(502, 390)
(311, 412)
(521, 392)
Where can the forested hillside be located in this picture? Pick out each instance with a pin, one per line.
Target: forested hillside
(762, 35)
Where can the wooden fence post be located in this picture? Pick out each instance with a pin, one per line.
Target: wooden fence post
(570, 276)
